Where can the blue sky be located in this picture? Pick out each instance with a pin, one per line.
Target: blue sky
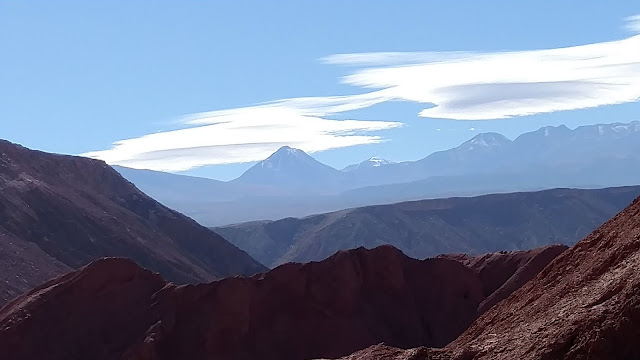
(77, 76)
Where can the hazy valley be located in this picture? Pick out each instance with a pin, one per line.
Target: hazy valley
(426, 228)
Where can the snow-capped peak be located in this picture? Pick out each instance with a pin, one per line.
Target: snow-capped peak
(289, 167)
(287, 151)
(377, 161)
(485, 140)
(372, 162)
(285, 155)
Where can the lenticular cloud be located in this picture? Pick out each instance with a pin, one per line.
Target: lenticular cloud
(480, 86)
(239, 136)
(452, 85)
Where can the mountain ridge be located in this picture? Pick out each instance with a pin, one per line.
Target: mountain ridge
(487, 223)
(113, 309)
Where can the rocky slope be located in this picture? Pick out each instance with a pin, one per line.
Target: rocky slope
(516, 221)
(24, 266)
(584, 305)
(504, 272)
(112, 309)
(61, 212)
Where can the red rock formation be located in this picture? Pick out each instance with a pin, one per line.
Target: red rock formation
(113, 310)
(92, 313)
(504, 272)
(61, 212)
(584, 305)
(384, 352)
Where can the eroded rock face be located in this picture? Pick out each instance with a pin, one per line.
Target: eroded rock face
(584, 305)
(92, 313)
(504, 272)
(59, 213)
(331, 308)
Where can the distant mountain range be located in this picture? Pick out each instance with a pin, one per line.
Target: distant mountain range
(421, 229)
(58, 213)
(292, 183)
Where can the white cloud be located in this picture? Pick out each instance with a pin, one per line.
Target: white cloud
(633, 23)
(392, 58)
(480, 86)
(451, 85)
(238, 136)
(303, 106)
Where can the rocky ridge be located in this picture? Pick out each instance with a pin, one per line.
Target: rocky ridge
(113, 309)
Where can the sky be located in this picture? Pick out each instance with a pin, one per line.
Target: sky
(207, 88)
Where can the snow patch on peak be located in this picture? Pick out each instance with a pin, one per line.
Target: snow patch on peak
(287, 150)
(485, 140)
(620, 128)
(617, 128)
(285, 155)
(372, 162)
(377, 161)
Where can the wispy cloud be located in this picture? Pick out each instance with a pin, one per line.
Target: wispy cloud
(633, 23)
(392, 58)
(497, 85)
(238, 136)
(451, 85)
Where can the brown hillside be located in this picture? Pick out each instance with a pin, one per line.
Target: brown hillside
(61, 212)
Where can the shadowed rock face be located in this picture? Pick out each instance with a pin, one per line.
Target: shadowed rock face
(59, 212)
(504, 272)
(584, 305)
(92, 313)
(112, 309)
(24, 266)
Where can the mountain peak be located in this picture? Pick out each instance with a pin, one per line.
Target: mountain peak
(485, 140)
(378, 161)
(288, 167)
(549, 130)
(372, 162)
(286, 156)
(287, 151)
